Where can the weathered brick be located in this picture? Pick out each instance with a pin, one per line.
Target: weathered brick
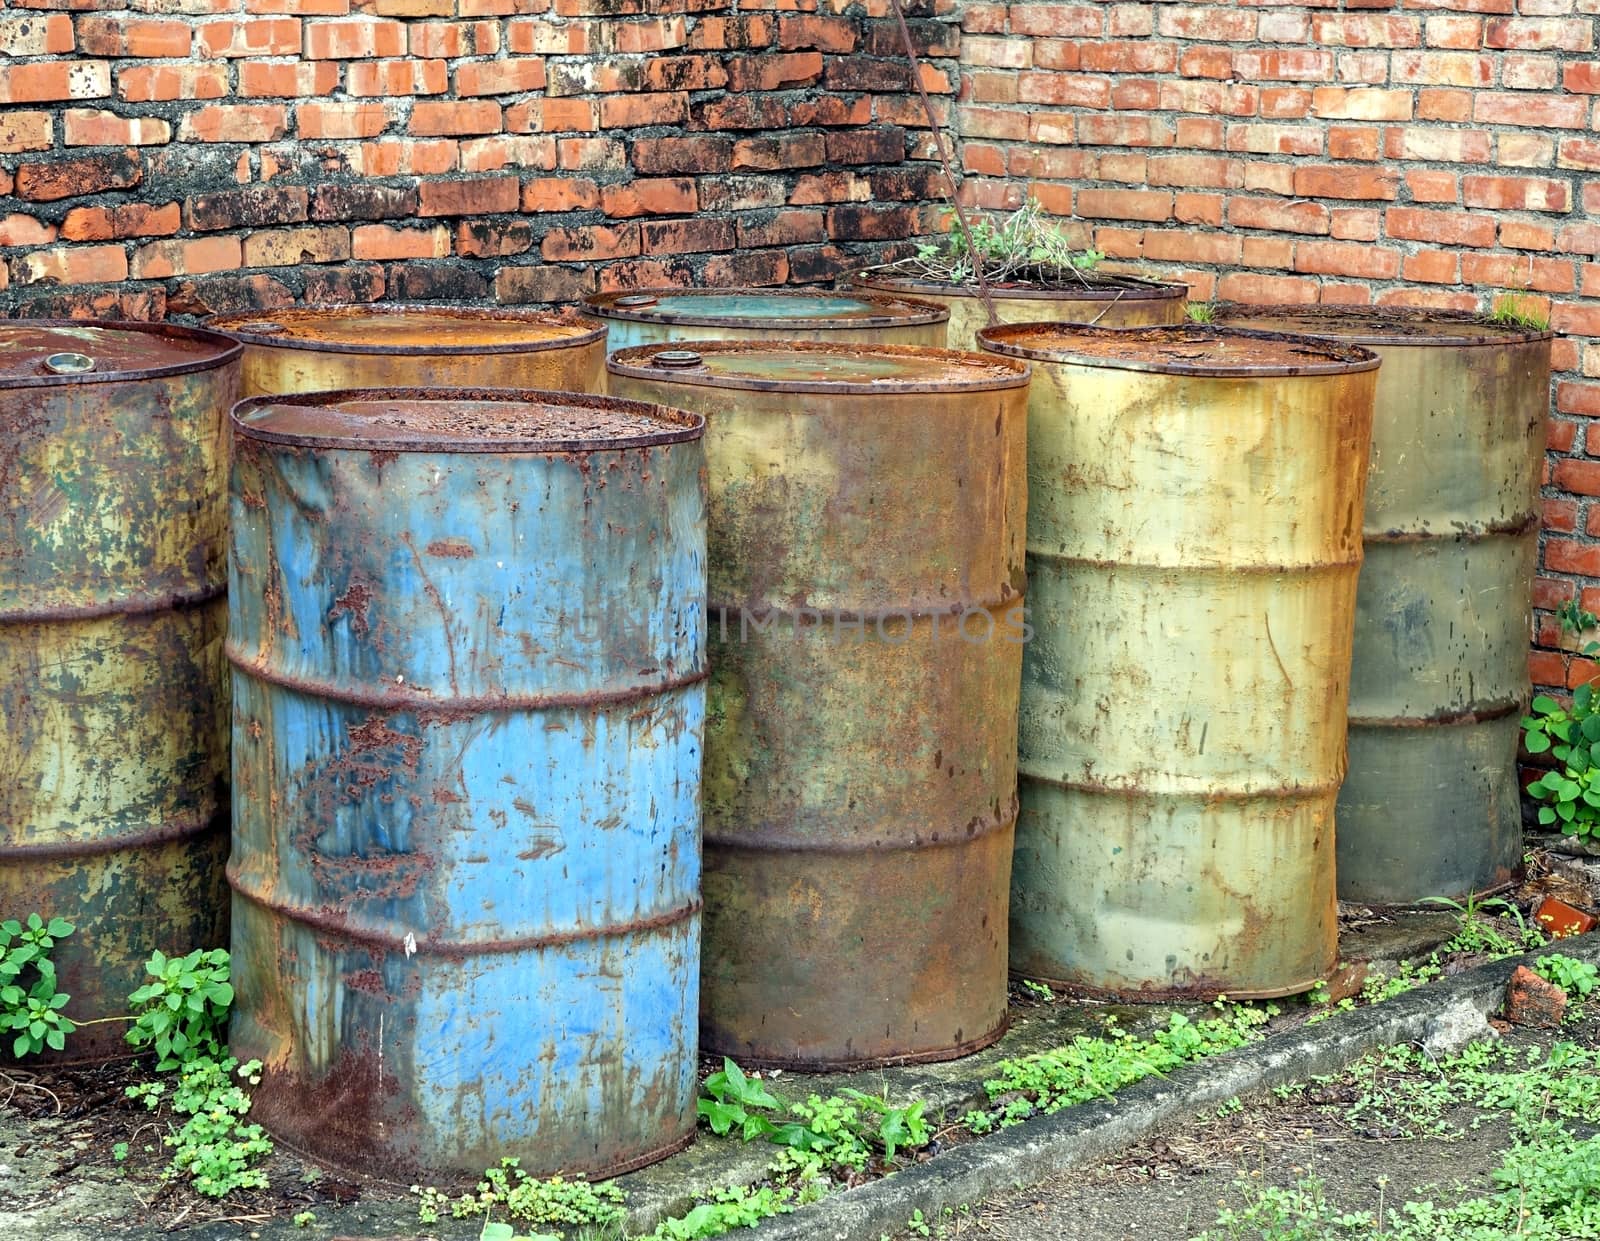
(24, 131)
(1450, 228)
(438, 118)
(470, 196)
(235, 123)
(72, 265)
(520, 285)
(186, 258)
(1516, 193)
(272, 80)
(695, 154)
(1341, 258)
(248, 208)
(354, 39)
(686, 236)
(127, 220)
(1361, 104)
(1284, 217)
(1125, 205)
(638, 111)
(286, 247)
(500, 151)
(89, 127)
(46, 81)
(72, 178)
(341, 120)
(500, 77)
(381, 79)
(493, 239)
(362, 202)
(782, 228)
(160, 83)
(258, 36)
(1338, 182)
(47, 34)
(590, 242)
(385, 241)
(650, 196)
(785, 151)
(120, 37)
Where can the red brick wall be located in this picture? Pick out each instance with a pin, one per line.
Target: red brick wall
(174, 157)
(1420, 151)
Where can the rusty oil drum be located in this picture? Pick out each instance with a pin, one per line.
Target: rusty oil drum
(324, 348)
(1103, 299)
(867, 512)
(657, 316)
(113, 688)
(468, 637)
(1193, 547)
(1431, 803)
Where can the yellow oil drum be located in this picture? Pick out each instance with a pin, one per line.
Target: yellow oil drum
(1194, 539)
(1101, 300)
(657, 316)
(327, 348)
(113, 686)
(1431, 805)
(866, 510)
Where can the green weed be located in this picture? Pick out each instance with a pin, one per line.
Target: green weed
(182, 1011)
(30, 1005)
(558, 1202)
(1097, 1066)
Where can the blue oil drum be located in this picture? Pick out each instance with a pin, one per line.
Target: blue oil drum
(467, 632)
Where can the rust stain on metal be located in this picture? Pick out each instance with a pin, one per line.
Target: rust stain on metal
(1439, 672)
(434, 973)
(112, 686)
(329, 348)
(840, 676)
(1194, 539)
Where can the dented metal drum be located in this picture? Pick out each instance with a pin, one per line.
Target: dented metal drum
(1193, 546)
(1104, 300)
(324, 348)
(1431, 803)
(656, 316)
(468, 637)
(113, 692)
(867, 511)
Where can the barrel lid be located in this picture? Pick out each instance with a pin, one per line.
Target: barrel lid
(801, 309)
(430, 330)
(805, 366)
(1087, 286)
(1380, 325)
(1183, 349)
(38, 353)
(462, 420)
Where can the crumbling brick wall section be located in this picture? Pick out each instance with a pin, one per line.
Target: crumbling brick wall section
(1419, 151)
(175, 157)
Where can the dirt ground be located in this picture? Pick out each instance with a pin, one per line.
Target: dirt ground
(62, 1132)
(1172, 1187)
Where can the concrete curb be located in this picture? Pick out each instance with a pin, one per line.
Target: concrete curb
(1041, 1148)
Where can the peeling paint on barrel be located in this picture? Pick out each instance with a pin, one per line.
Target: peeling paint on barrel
(113, 692)
(467, 787)
(867, 502)
(658, 316)
(1194, 538)
(1439, 679)
(326, 348)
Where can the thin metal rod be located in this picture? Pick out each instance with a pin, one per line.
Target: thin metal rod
(938, 145)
